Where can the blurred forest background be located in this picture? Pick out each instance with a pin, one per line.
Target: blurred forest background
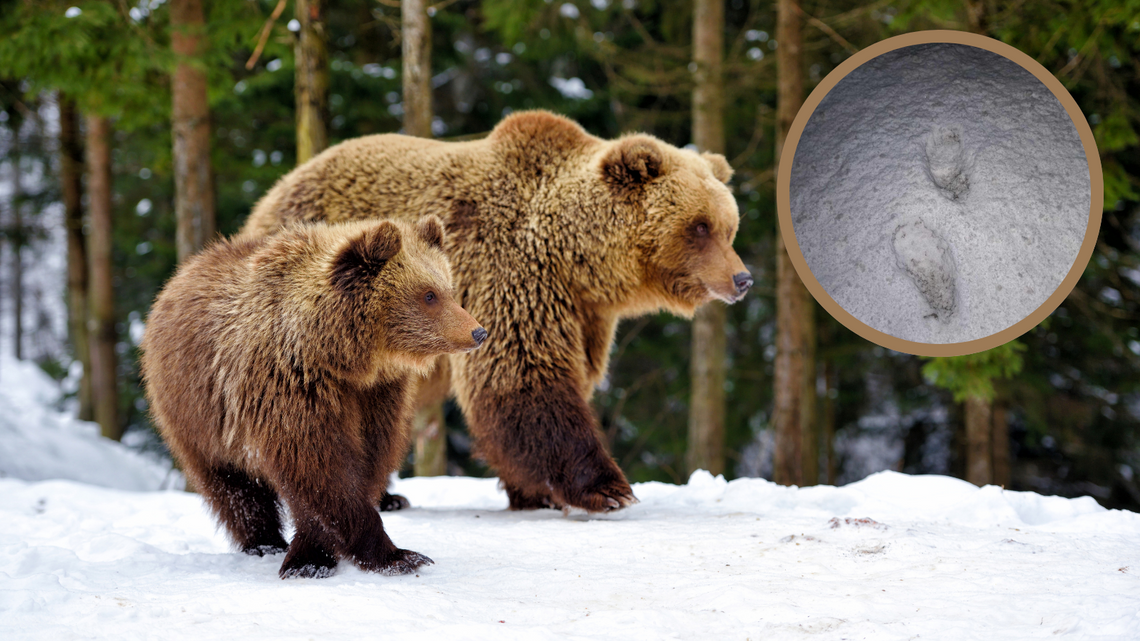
(130, 130)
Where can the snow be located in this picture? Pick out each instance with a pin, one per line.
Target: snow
(102, 554)
(940, 193)
(39, 441)
(890, 557)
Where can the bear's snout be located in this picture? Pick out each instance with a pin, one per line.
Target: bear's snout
(743, 282)
(479, 335)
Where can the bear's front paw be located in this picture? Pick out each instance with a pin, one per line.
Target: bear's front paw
(602, 489)
(310, 563)
(530, 500)
(393, 502)
(398, 562)
(263, 550)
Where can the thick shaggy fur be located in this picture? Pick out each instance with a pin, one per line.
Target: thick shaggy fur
(278, 371)
(555, 236)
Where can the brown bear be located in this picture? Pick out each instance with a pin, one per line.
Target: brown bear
(279, 370)
(555, 236)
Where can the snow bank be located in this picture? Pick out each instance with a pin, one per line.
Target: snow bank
(940, 193)
(890, 557)
(38, 442)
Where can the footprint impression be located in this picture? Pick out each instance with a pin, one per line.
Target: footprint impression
(928, 262)
(946, 163)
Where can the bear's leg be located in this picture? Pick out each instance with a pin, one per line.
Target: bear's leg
(246, 506)
(309, 553)
(332, 501)
(546, 446)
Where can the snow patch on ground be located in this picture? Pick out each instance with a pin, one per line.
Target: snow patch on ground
(940, 193)
(39, 442)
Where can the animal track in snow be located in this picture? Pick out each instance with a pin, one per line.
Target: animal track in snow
(928, 261)
(946, 163)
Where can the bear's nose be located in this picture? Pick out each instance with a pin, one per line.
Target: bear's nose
(479, 335)
(743, 281)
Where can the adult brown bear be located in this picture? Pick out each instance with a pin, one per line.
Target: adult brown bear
(555, 235)
(279, 370)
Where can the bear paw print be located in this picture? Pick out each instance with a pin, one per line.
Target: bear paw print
(946, 163)
(927, 260)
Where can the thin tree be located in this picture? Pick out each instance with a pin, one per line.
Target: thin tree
(193, 176)
(16, 241)
(795, 319)
(104, 383)
(312, 80)
(429, 429)
(71, 182)
(707, 370)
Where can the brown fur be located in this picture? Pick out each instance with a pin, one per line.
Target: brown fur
(555, 236)
(278, 370)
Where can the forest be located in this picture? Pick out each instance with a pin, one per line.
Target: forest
(132, 132)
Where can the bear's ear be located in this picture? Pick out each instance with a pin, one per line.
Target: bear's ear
(365, 255)
(721, 170)
(633, 162)
(430, 230)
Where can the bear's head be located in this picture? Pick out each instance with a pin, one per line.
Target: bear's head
(392, 283)
(687, 220)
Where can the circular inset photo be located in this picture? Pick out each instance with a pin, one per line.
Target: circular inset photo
(940, 193)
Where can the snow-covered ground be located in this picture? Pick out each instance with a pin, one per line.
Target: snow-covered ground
(39, 440)
(889, 557)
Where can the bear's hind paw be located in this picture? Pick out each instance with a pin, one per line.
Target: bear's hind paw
(393, 502)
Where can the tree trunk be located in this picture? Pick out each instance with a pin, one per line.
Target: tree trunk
(430, 435)
(795, 326)
(193, 176)
(707, 403)
(71, 182)
(1000, 446)
(979, 426)
(312, 81)
(16, 241)
(428, 428)
(101, 325)
(415, 37)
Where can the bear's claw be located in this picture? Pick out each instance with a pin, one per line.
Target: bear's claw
(403, 562)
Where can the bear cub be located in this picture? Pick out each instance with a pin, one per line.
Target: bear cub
(279, 371)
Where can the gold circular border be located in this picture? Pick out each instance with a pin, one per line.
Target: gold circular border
(784, 177)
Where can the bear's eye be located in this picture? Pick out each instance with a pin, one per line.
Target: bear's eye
(429, 298)
(701, 229)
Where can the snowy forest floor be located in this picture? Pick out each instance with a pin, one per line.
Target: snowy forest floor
(890, 557)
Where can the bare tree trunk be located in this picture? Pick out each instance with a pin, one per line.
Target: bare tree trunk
(71, 180)
(415, 37)
(312, 81)
(193, 176)
(428, 428)
(16, 240)
(1000, 446)
(430, 433)
(795, 326)
(707, 403)
(979, 426)
(101, 325)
